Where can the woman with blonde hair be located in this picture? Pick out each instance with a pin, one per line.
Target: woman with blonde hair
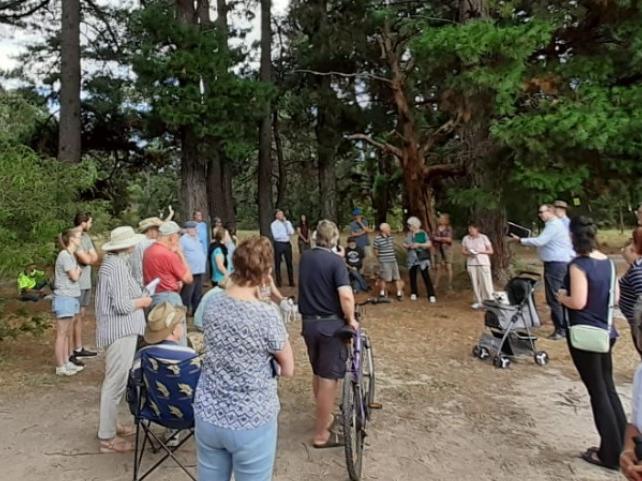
(246, 348)
(66, 299)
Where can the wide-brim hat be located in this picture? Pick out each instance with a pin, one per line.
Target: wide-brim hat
(560, 204)
(148, 223)
(122, 238)
(162, 320)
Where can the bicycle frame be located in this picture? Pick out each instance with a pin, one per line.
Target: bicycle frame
(355, 367)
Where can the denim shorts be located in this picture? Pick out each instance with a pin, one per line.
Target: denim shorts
(65, 306)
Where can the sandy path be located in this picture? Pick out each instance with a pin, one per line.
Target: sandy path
(446, 415)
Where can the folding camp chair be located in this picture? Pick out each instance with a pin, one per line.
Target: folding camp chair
(161, 392)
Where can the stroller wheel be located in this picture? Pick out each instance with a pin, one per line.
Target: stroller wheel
(541, 358)
(481, 352)
(501, 362)
(484, 353)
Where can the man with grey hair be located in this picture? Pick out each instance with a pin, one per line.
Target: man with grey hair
(326, 304)
(384, 248)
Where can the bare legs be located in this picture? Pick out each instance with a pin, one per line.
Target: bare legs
(62, 344)
(325, 396)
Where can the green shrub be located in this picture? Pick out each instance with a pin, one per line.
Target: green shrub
(39, 198)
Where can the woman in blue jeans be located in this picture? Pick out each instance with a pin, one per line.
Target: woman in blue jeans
(589, 290)
(246, 344)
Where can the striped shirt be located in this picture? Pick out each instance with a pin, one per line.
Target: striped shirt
(631, 289)
(116, 314)
(385, 246)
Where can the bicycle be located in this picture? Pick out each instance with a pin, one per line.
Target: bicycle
(358, 396)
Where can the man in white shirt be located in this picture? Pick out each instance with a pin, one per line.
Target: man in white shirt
(282, 230)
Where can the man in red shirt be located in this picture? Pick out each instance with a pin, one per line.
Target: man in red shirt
(165, 260)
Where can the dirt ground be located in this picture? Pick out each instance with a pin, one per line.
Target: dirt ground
(446, 415)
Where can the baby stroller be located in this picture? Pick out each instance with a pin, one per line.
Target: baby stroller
(509, 324)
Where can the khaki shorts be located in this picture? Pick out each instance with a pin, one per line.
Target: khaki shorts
(389, 271)
(444, 254)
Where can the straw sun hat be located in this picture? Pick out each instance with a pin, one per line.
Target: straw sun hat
(122, 238)
(161, 321)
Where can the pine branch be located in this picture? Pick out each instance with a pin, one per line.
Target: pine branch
(384, 146)
(342, 74)
(15, 17)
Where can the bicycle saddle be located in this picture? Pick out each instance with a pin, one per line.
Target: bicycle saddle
(345, 333)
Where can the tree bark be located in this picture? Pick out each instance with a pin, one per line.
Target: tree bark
(326, 150)
(69, 143)
(193, 164)
(220, 194)
(265, 202)
(282, 184)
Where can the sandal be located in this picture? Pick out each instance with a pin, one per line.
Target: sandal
(125, 430)
(334, 441)
(591, 456)
(115, 445)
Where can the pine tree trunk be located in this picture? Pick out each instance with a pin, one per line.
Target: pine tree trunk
(69, 143)
(266, 206)
(326, 149)
(282, 185)
(193, 175)
(193, 164)
(220, 194)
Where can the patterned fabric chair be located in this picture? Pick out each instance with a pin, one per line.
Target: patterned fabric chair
(161, 392)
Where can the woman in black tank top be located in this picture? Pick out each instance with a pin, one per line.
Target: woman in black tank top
(587, 303)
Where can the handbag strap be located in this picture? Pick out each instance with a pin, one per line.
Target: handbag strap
(611, 296)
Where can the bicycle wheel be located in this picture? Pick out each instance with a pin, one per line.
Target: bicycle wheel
(369, 377)
(353, 426)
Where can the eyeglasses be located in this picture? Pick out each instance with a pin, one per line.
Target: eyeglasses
(542, 211)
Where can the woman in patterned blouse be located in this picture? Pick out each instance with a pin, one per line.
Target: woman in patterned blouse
(246, 345)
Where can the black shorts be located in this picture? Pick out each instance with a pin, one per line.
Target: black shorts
(328, 354)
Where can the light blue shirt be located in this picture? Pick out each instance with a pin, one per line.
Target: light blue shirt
(281, 230)
(554, 243)
(566, 221)
(203, 236)
(194, 255)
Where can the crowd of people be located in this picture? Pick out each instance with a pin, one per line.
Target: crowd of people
(149, 283)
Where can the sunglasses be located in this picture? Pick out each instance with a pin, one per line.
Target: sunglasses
(542, 211)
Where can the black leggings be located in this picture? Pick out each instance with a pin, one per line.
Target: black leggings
(596, 371)
(413, 281)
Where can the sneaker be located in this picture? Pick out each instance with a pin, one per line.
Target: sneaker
(63, 371)
(399, 297)
(432, 299)
(75, 361)
(476, 306)
(413, 297)
(556, 336)
(73, 368)
(84, 353)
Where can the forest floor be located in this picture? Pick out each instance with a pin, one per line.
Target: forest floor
(446, 416)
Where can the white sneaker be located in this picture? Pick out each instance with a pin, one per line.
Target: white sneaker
(413, 297)
(432, 299)
(63, 371)
(70, 366)
(476, 306)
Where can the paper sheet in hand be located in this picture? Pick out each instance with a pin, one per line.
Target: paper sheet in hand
(151, 287)
(518, 230)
